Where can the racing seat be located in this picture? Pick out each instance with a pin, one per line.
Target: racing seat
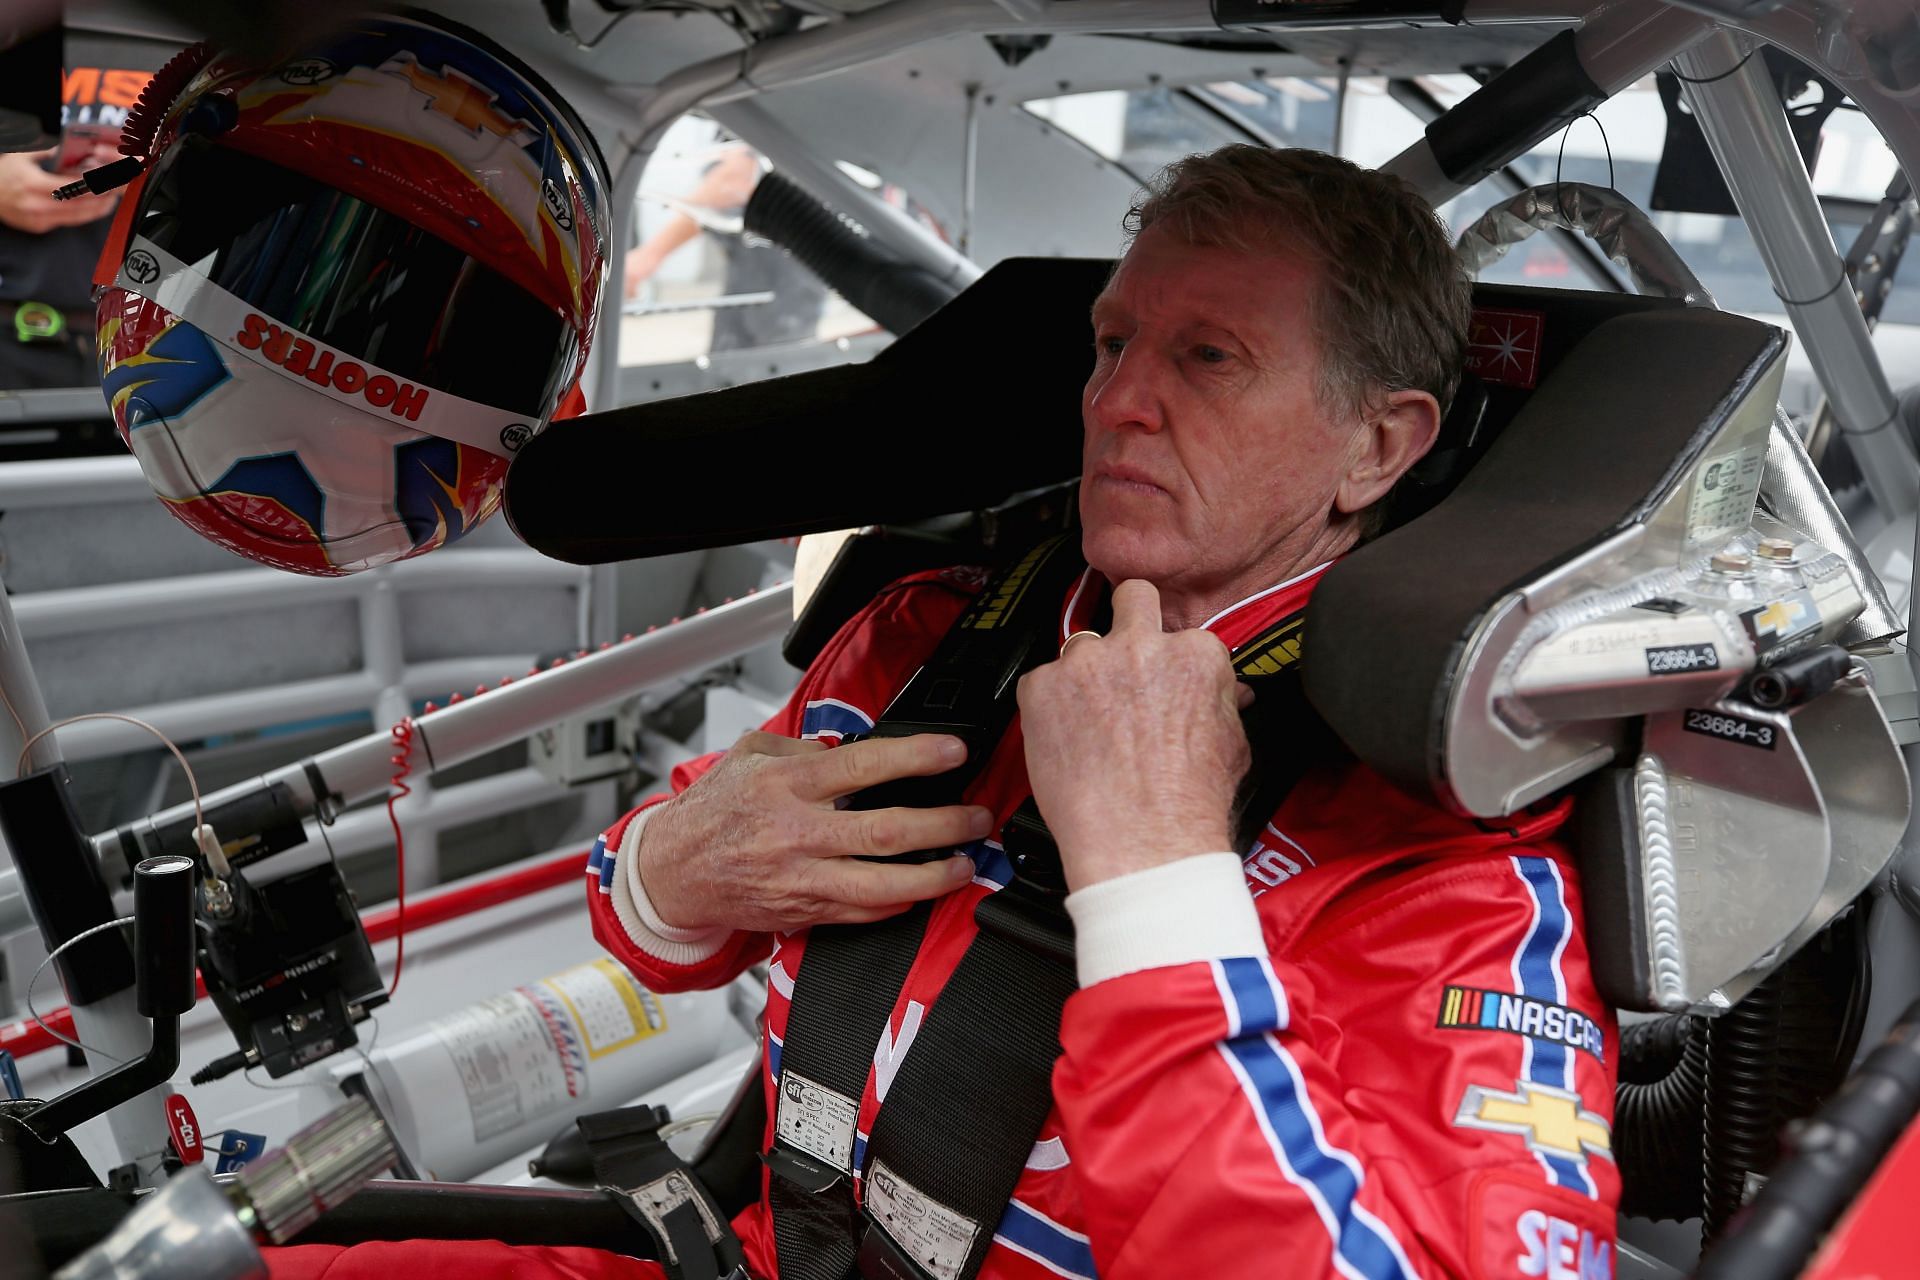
(1626, 645)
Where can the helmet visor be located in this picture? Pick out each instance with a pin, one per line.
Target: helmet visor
(363, 281)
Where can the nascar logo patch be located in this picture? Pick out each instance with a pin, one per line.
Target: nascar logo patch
(1477, 1009)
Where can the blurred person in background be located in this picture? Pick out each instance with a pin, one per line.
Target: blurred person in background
(753, 264)
(47, 252)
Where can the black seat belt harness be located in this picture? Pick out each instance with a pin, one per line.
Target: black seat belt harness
(852, 974)
(959, 1121)
(633, 1163)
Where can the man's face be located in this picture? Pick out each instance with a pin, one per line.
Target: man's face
(1209, 462)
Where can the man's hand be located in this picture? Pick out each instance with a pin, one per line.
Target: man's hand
(1134, 744)
(26, 196)
(758, 844)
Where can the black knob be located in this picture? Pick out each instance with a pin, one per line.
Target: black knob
(163, 936)
(566, 1159)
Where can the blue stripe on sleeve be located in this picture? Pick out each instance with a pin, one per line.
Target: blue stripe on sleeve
(1252, 992)
(1037, 1236)
(1363, 1247)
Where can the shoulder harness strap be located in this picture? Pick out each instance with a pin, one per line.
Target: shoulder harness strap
(961, 1116)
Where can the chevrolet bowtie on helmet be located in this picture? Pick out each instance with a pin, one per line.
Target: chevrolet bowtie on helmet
(349, 286)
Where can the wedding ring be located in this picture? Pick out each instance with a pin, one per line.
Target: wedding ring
(1075, 636)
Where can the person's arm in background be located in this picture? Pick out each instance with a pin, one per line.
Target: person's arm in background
(26, 194)
(726, 184)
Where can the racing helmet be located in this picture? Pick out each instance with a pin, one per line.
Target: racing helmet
(347, 286)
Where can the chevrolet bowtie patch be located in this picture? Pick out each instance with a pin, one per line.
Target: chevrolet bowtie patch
(1551, 1121)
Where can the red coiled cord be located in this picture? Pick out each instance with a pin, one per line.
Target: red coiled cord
(144, 118)
(402, 765)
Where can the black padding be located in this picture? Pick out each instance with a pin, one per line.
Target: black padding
(977, 403)
(1603, 435)
(1521, 107)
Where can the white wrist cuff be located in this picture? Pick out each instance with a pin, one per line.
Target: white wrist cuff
(643, 924)
(1195, 909)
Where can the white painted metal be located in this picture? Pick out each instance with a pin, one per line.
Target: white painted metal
(76, 610)
(462, 732)
(601, 378)
(878, 33)
(288, 703)
(459, 733)
(369, 831)
(71, 482)
(26, 710)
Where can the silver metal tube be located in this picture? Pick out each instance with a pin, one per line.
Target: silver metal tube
(1614, 224)
(187, 1229)
(320, 1167)
(1618, 44)
(1746, 127)
(453, 734)
(802, 162)
(1830, 39)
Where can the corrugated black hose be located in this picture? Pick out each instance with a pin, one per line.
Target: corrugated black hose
(839, 250)
(1743, 1081)
(1656, 1119)
(1684, 1143)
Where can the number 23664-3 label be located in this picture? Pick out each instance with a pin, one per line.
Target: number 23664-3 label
(1730, 728)
(1678, 659)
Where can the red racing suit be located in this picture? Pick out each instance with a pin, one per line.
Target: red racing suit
(1372, 1047)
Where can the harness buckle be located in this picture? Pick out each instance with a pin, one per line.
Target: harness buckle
(661, 1193)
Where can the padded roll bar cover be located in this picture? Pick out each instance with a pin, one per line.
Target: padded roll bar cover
(978, 402)
(1390, 622)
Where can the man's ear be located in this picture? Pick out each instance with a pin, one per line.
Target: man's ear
(1397, 432)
